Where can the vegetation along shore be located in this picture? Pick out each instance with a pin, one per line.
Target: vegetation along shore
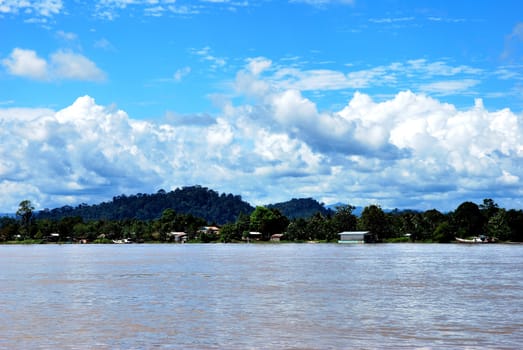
(198, 214)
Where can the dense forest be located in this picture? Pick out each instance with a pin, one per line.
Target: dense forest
(162, 216)
(301, 208)
(195, 200)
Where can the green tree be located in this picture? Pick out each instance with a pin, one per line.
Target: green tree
(515, 222)
(8, 228)
(82, 230)
(408, 223)
(243, 224)
(168, 220)
(66, 227)
(429, 221)
(344, 219)
(25, 213)
(498, 227)
(297, 230)
(468, 220)
(444, 233)
(46, 227)
(229, 233)
(318, 227)
(268, 221)
(489, 208)
(374, 220)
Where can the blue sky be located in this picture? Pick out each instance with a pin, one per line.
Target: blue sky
(407, 104)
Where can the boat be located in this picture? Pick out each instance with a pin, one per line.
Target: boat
(122, 241)
(477, 239)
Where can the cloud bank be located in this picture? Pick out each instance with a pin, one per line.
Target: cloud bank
(410, 150)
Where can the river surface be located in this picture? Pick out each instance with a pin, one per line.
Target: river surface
(271, 296)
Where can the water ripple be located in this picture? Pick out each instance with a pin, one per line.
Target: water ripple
(261, 297)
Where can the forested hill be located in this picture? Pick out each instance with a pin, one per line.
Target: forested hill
(195, 200)
(301, 208)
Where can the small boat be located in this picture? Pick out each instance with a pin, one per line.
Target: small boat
(122, 241)
(477, 239)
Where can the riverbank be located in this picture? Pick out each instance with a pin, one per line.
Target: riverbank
(109, 242)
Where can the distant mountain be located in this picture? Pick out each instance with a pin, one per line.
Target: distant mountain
(301, 208)
(198, 201)
(195, 200)
(357, 211)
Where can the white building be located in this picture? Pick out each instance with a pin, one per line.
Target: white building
(352, 236)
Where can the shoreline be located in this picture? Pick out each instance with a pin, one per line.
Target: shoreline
(33, 242)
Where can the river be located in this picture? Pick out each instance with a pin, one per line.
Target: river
(261, 296)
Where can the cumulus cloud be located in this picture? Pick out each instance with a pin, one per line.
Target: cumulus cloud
(189, 119)
(26, 63)
(409, 150)
(258, 64)
(62, 65)
(70, 65)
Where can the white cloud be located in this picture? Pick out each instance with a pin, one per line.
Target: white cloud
(205, 55)
(409, 150)
(44, 8)
(446, 19)
(324, 2)
(449, 87)
(104, 44)
(258, 65)
(184, 10)
(48, 7)
(70, 65)
(68, 36)
(508, 179)
(391, 19)
(156, 11)
(111, 9)
(513, 44)
(429, 77)
(439, 68)
(293, 110)
(182, 73)
(62, 65)
(26, 63)
(315, 79)
(510, 72)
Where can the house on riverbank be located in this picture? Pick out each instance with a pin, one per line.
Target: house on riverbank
(177, 237)
(354, 236)
(276, 237)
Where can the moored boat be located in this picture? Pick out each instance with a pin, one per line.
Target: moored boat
(122, 241)
(477, 239)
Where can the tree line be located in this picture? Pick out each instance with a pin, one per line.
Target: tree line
(468, 219)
